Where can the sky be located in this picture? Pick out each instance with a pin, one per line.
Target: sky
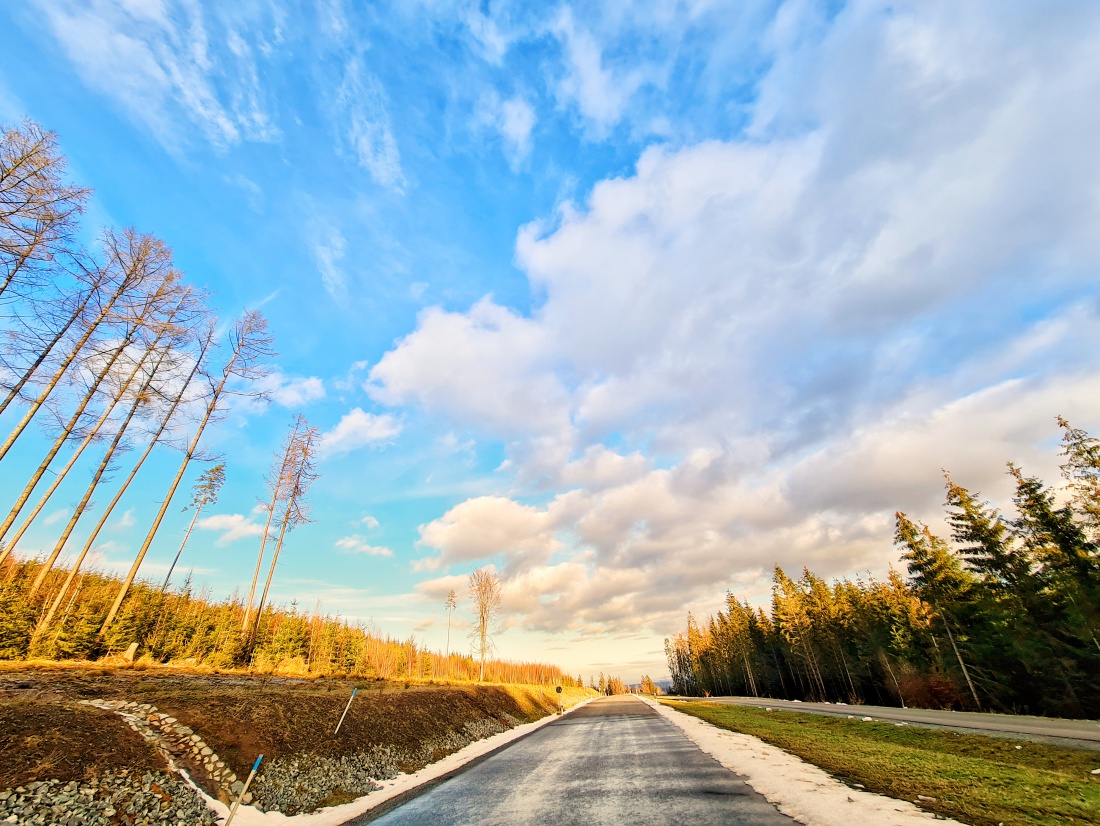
(632, 301)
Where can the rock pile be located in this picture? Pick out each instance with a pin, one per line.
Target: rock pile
(111, 800)
(175, 741)
(291, 785)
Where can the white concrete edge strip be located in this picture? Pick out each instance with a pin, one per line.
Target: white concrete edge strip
(797, 788)
(337, 815)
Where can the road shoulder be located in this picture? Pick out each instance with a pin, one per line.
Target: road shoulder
(797, 788)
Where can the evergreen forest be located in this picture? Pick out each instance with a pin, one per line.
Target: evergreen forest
(1002, 615)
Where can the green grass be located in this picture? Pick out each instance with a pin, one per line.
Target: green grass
(975, 779)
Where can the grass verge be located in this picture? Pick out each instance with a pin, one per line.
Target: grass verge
(976, 779)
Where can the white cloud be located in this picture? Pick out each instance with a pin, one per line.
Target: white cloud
(356, 544)
(370, 522)
(357, 429)
(752, 351)
(298, 391)
(490, 525)
(454, 362)
(600, 93)
(56, 516)
(513, 119)
(233, 526)
(327, 245)
(125, 521)
(363, 117)
(161, 63)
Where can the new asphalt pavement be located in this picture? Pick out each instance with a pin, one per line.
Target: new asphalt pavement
(613, 761)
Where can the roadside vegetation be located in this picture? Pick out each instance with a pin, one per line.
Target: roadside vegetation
(979, 780)
(1004, 617)
(192, 630)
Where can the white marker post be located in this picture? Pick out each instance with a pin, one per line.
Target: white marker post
(354, 691)
(244, 791)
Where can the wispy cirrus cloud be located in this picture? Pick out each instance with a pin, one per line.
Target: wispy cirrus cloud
(327, 246)
(166, 64)
(362, 118)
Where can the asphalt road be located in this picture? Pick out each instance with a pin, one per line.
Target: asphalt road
(614, 761)
(1072, 733)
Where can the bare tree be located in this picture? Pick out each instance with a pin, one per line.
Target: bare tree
(134, 263)
(49, 325)
(205, 492)
(301, 473)
(250, 349)
(485, 590)
(166, 418)
(169, 336)
(38, 207)
(157, 303)
(450, 605)
(280, 475)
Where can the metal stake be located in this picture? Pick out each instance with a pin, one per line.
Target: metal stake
(244, 791)
(345, 714)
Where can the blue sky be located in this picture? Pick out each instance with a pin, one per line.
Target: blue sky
(630, 300)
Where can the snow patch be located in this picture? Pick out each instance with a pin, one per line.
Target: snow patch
(797, 788)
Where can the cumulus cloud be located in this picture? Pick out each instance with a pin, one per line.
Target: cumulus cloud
(291, 391)
(752, 351)
(356, 544)
(357, 429)
(232, 526)
(490, 525)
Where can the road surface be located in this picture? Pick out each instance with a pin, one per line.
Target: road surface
(613, 761)
(1073, 733)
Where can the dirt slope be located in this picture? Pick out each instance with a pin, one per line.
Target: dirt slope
(45, 733)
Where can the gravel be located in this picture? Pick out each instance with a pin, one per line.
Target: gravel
(304, 782)
(292, 784)
(112, 799)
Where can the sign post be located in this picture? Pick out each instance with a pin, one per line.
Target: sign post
(561, 707)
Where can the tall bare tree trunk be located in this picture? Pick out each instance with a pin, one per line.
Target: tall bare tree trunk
(183, 544)
(96, 477)
(126, 284)
(962, 665)
(250, 344)
(167, 418)
(281, 476)
(267, 584)
(45, 351)
(119, 394)
(297, 468)
(59, 442)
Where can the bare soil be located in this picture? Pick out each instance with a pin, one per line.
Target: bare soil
(45, 733)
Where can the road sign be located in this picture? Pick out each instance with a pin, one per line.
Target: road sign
(559, 689)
